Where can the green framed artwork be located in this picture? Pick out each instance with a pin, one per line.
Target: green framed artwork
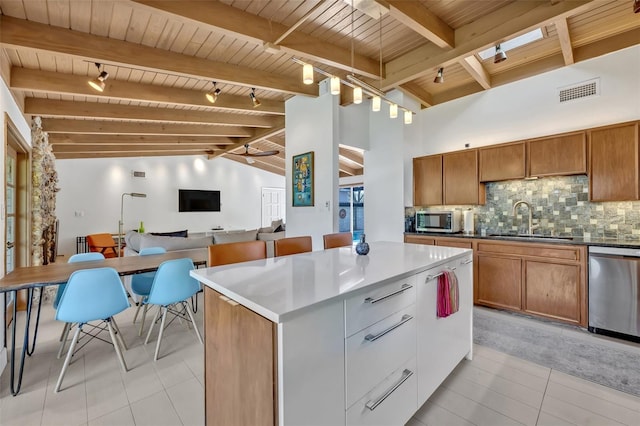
(303, 180)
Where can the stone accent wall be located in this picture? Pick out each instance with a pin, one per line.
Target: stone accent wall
(561, 207)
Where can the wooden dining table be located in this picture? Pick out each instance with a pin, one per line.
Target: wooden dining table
(31, 278)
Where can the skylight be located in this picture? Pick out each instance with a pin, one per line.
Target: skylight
(526, 38)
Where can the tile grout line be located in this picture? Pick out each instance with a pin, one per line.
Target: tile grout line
(544, 395)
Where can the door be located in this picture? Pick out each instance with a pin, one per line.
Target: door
(273, 207)
(351, 211)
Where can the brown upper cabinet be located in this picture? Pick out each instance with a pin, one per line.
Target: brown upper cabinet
(558, 155)
(427, 180)
(502, 162)
(461, 178)
(613, 163)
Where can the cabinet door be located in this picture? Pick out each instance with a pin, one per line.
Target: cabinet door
(558, 155)
(461, 185)
(454, 243)
(613, 163)
(240, 364)
(427, 180)
(442, 342)
(502, 162)
(499, 282)
(417, 239)
(552, 290)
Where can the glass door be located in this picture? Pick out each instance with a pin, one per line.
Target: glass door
(351, 210)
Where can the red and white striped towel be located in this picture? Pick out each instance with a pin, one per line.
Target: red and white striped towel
(448, 301)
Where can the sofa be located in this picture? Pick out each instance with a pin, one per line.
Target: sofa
(180, 240)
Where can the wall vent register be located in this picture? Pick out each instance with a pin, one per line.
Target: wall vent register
(579, 91)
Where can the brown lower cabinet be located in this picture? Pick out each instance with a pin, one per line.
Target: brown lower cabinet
(240, 364)
(547, 280)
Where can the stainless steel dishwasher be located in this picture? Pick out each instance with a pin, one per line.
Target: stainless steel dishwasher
(614, 291)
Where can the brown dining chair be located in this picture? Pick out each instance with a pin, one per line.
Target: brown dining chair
(340, 239)
(292, 245)
(226, 253)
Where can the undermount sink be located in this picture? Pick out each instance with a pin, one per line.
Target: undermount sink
(532, 237)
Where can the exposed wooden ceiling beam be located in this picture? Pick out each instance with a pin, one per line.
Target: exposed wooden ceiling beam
(126, 153)
(257, 30)
(258, 164)
(88, 148)
(47, 81)
(260, 134)
(507, 22)
(351, 171)
(351, 155)
(477, 71)
(417, 92)
(562, 28)
(55, 108)
(608, 45)
(420, 19)
(21, 33)
(58, 125)
(133, 140)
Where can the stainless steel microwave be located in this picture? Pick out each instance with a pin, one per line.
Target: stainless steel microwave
(438, 221)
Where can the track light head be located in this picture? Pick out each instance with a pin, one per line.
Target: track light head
(439, 78)
(98, 83)
(499, 56)
(212, 96)
(254, 99)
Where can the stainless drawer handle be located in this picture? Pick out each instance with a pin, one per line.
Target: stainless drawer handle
(393, 293)
(433, 277)
(374, 337)
(371, 405)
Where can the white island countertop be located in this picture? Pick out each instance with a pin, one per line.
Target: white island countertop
(279, 288)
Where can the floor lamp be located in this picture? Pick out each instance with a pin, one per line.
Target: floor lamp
(121, 223)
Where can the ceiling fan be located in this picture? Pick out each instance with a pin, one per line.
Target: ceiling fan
(246, 152)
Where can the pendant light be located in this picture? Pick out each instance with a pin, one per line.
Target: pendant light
(307, 74)
(375, 103)
(408, 117)
(393, 111)
(335, 85)
(357, 95)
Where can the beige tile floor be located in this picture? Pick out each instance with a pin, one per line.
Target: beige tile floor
(493, 389)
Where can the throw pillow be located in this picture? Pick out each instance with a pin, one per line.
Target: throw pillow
(276, 223)
(172, 243)
(278, 229)
(235, 237)
(132, 240)
(184, 234)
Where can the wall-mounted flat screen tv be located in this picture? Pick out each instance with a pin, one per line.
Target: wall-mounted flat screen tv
(196, 200)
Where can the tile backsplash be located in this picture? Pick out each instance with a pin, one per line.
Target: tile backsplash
(561, 207)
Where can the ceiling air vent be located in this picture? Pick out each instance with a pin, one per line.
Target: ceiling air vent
(581, 90)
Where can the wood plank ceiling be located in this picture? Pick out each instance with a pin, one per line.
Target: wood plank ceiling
(163, 56)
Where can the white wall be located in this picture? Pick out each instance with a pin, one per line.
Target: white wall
(8, 107)
(530, 107)
(384, 178)
(312, 125)
(93, 187)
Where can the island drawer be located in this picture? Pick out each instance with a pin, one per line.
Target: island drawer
(370, 307)
(375, 352)
(392, 402)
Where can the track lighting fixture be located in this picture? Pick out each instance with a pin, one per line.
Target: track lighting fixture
(307, 74)
(636, 6)
(439, 78)
(98, 83)
(254, 99)
(212, 96)
(499, 56)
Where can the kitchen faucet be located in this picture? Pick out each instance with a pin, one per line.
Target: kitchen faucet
(513, 212)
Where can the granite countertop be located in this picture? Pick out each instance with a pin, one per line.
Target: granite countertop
(594, 241)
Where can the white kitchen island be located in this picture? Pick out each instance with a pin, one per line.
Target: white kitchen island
(330, 337)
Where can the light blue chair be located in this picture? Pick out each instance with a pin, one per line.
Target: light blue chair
(80, 257)
(91, 295)
(172, 285)
(141, 285)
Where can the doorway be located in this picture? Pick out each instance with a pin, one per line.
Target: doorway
(15, 213)
(273, 206)
(351, 210)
